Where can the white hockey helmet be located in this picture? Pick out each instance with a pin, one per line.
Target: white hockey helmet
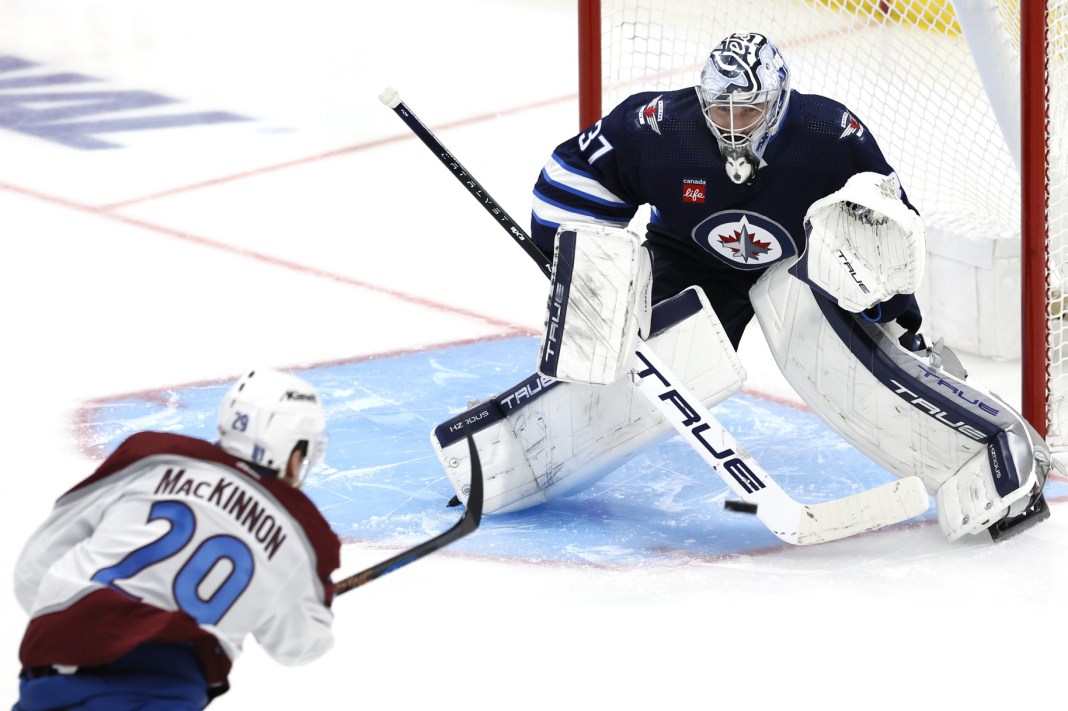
(267, 414)
(745, 70)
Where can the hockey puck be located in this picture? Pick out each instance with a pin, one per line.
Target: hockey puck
(740, 506)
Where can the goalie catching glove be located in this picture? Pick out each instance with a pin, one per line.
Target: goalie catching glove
(864, 244)
(599, 303)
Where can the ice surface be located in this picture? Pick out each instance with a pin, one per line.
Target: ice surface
(316, 233)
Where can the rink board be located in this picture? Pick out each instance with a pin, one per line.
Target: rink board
(383, 485)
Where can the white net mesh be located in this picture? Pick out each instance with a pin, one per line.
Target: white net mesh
(906, 69)
(934, 95)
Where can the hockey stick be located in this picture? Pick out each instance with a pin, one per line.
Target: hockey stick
(792, 521)
(467, 523)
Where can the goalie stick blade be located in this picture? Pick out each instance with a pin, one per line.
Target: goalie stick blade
(790, 520)
(467, 523)
(869, 510)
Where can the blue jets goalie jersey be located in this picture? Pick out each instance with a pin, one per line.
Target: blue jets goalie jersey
(706, 228)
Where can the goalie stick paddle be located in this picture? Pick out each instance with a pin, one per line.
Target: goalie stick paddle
(790, 520)
(467, 523)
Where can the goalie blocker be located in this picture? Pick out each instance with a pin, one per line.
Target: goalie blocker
(599, 302)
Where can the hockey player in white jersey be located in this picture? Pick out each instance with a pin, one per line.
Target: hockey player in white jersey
(767, 202)
(146, 578)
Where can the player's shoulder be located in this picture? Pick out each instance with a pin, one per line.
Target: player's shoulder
(815, 104)
(318, 531)
(651, 111)
(818, 114)
(676, 98)
(144, 445)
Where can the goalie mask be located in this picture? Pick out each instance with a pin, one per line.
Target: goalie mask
(266, 415)
(745, 87)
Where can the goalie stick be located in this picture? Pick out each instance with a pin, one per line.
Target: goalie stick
(467, 523)
(790, 520)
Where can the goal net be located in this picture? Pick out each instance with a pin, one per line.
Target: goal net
(939, 85)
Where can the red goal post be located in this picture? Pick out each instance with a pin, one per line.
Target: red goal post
(941, 85)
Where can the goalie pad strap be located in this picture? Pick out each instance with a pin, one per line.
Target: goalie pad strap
(598, 302)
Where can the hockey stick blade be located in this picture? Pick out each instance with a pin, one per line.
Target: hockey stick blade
(467, 523)
(790, 520)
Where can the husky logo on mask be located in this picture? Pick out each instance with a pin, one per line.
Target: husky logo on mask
(740, 163)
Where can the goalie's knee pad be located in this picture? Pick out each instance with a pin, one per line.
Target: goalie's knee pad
(543, 438)
(908, 411)
(599, 301)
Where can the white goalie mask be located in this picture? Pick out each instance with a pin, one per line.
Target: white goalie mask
(267, 414)
(745, 87)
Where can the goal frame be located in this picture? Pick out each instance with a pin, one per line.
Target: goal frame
(1034, 175)
(1034, 277)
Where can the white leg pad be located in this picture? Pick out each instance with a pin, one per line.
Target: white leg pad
(972, 451)
(544, 438)
(599, 301)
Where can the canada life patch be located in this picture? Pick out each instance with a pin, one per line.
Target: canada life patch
(744, 240)
(693, 190)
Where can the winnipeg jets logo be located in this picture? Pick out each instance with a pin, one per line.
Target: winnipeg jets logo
(744, 240)
(850, 126)
(652, 114)
(743, 243)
